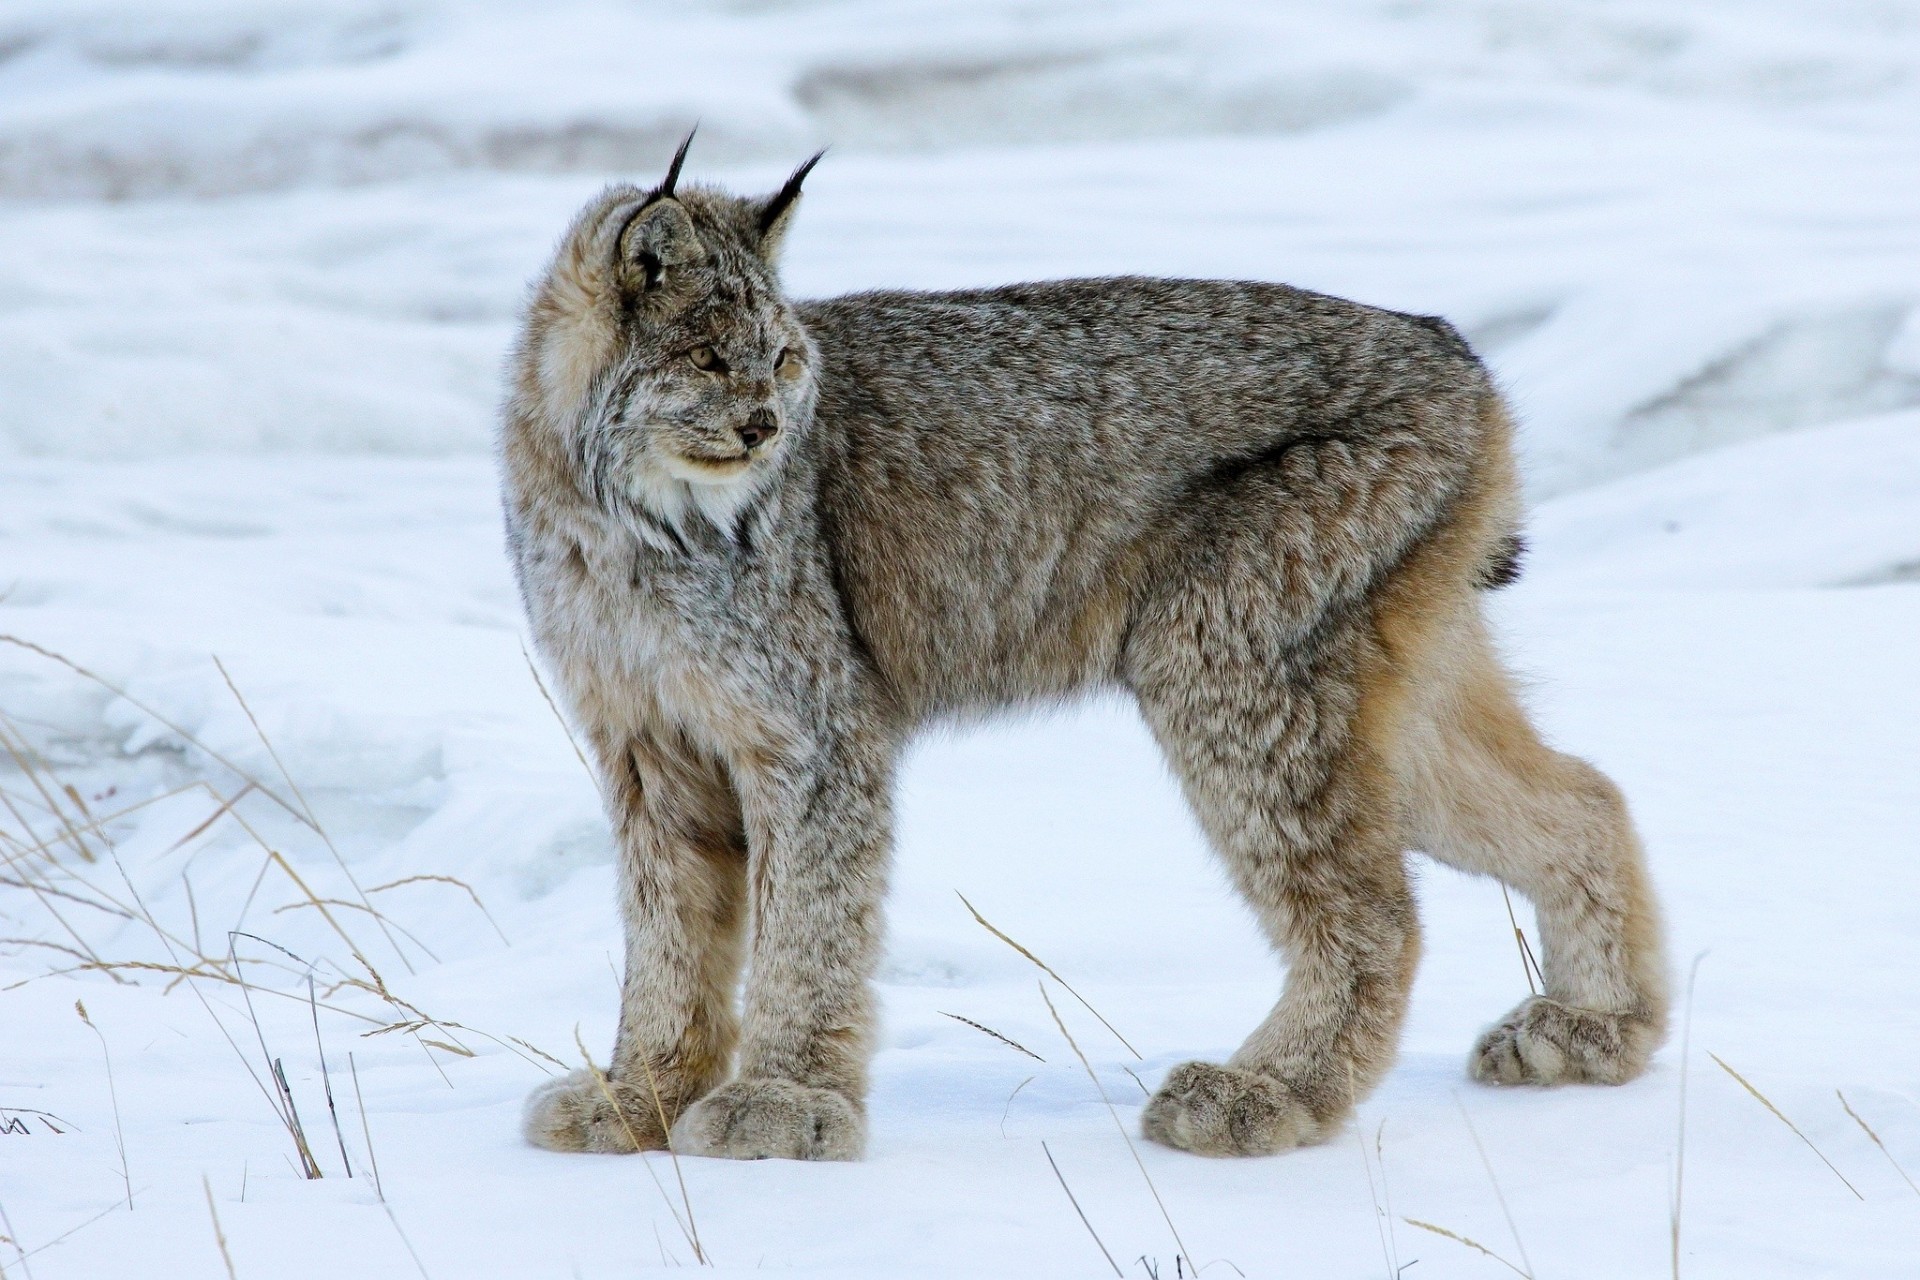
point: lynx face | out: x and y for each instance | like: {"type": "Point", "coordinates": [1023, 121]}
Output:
{"type": "Point", "coordinates": [661, 334]}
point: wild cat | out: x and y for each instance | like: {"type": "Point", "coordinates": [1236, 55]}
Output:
{"type": "Point", "coordinates": [761, 543]}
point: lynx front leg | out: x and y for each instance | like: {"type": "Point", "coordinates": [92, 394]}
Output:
{"type": "Point", "coordinates": [683, 893]}
{"type": "Point", "coordinates": [820, 835]}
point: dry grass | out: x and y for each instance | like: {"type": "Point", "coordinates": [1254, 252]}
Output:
{"type": "Point", "coordinates": [113, 1094]}
{"type": "Point", "coordinates": [688, 1230]}
{"type": "Point", "coordinates": [1468, 1241]}
{"type": "Point", "coordinates": [1868, 1130]}
{"type": "Point", "coordinates": [986, 1030]}
{"type": "Point", "coordinates": [1781, 1116]}
{"type": "Point", "coordinates": [1126, 1137]}
{"type": "Point", "coordinates": [1047, 969]}
{"type": "Point", "coordinates": [1075, 1202]}
{"type": "Point", "coordinates": [1499, 1196]}
{"type": "Point", "coordinates": [219, 1236]}
{"type": "Point", "coordinates": [60, 851]}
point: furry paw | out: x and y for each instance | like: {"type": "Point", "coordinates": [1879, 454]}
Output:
{"type": "Point", "coordinates": [1227, 1111]}
{"type": "Point", "coordinates": [576, 1113]}
{"type": "Point", "coordinates": [757, 1119]}
{"type": "Point", "coordinates": [1546, 1042]}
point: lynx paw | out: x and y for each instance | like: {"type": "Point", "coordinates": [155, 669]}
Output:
{"type": "Point", "coordinates": [1227, 1111]}
{"type": "Point", "coordinates": [1546, 1042]}
{"type": "Point", "coordinates": [757, 1119]}
{"type": "Point", "coordinates": [577, 1113]}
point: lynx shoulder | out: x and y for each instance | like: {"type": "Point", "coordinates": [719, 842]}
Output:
{"type": "Point", "coordinates": [762, 543]}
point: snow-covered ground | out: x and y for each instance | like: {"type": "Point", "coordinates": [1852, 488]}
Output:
{"type": "Point", "coordinates": [261, 258]}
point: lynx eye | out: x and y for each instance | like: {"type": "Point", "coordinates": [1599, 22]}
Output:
{"type": "Point", "coordinates": [790, 365]}
{"type": "Point", "coordinates": [707, 360]}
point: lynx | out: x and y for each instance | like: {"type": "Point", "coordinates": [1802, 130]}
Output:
{"type": "Point", "coordinates": [762, 542]}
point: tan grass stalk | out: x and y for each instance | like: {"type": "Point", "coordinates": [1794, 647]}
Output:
{"type": "Point", "coordinates": [1780, 1115]}
{"type": "Point", "coordinates": [554, 707]}
{"type": "Point", "coordinates": [1470, 1243]}
{"type": "Point", "coordinates": [666, 1135]}
{"type": "Point", "coordinates": [173, 728]}
{"type": "Point", "coordinates": [411, 1251]}
{"type": "Point", "coordinates": [1075, 1202]}
{"type": "Point", "coordinates": [1008, 1109]}
{"type": "Point", "coordinates": [1047, 969]}
{"type": "Point", "coordinates": [1868, 1130]}
{"type": "Point", "coordinates": [1680, 1137]}
{"type": "Point", "coordinates": [1124, 1135]}
{"type": "Point", "coordinates": [113, 1093]}
{"type": "Point", "coordinates": [1528, 965]}
{"type": "Point", "coordinates": [1498, 1195]}
{"type": "Point", "coordinates": [366, 1130]}
{"type": "Point", "coordinates": [313, 819]}
{"type": "Point", "coordinates": [219, 1236]}
{"type": "Point", "coordinates": [326, 1080]}
{"type": "Point", "coordinates": [452, 880]}
{"type": "Point", "coordinates": [986, 1030]}
{"type": "Point", "coordinates": [606, 1091]}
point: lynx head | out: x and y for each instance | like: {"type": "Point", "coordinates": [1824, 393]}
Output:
{"type": "Point", "coordinates": [660, 348]}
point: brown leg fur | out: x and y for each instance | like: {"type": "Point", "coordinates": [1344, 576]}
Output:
{"type": "Point", "coordinates": [1278, 750]}
{"type": "Point", "coordinates": [1489, 797]}
{"type": "Point", "coordinates": [683, 858]}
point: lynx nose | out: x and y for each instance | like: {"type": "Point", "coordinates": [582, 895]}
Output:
{"type": "Point", "coordinates": [758, 429]}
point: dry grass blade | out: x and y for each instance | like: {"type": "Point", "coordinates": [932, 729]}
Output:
{"type": "Point", "coordinates": [13, 1238]}
{"type": "Point", "coordinates": [554, 707]}
{"type": "Point", "coordinates": [452, 880]}
{"type": "Point", "coordinates": [1528, 965]}
{"type": "Point", "coordinates": [606, 1092]}
{"type": "Point", "coordinates": [1781, 1116]}
{"type": "Point", "coordinates": [411, 1251]}
{"type": "Point", "coordinates": [219, 1236]}
{"type": "Point", "coordinates": [1132, 1150]}
{"type": "Point", "coordinates": [326, 1079]}
{"type": "Point", "coordinates": [226, 807]}
{"type": "Point", "coordinates": [405, 932]}
{"type": "Point", "coordinates": [985, 1030]}
{"type": "Point", "coordinates": [666, 1132]}
{"type": "Point", "coordinates": [1381, 1220]}
{"type": "Point", "coordinates": [1047, 969]}
{"type": "Point", "coordinates": [1868, 1130]}
{"type": "Point", "coordinates": [1008, 1109]}
{"type": "Point", "coordinates": [312, 819]}
{"type": "Point", "coordinates": [1498, 1194]}
{"type": "Point", "coordinates": [1470, 1243]}
{"type": "Point", "coordinates": [1680, 1137]}
{"type": "Point", "coordinates": [366, 1130]}
{"type": "Point", "coordinates": [1075, 1202]}
{"type": "Point", "coordinates": [173, 728]}
{"type": "Point", "coordinates": [309, 1167]}
{"type": "Point", "coordinates": [16, 746]}
{"type": "Point", "coordinates": [113, 1093]}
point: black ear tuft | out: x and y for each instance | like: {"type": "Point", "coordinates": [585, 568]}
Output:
{"type": "Point", "coordinates": [665, 189]}
{"type": "Point", "coordinates": [782, 200]}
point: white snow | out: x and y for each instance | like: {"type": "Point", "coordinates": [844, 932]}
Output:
{"type": "Point", "coordinates": [261, 260]}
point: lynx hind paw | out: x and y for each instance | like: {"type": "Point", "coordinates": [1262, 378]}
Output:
{"type": "Point", "coordinates": [1227, 1111]}
{"type": "Point", "coordinates": [779, 1119]}
{"type": "Point", "coordinates": [578, 1112]}
{"type": "Point", "coordinates": [1544, 1042]}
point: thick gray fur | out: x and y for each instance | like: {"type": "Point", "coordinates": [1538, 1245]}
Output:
{"type": "Point", "coordinates": [763, 543]}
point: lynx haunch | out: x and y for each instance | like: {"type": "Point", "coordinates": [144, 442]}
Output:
{"type": "Point", "coordinates": [762, 542]}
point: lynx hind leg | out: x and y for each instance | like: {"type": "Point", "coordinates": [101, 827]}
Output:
{"type": "Point", "coordinates": [1275, 755]}
{"type": "Point", "coordinates": [1490, 797]}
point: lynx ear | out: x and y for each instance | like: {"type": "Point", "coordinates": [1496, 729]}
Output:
{"type": "Point", "coordinates": [776, 211]}
{"type": "Point", "coordinates": [658, 238]}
